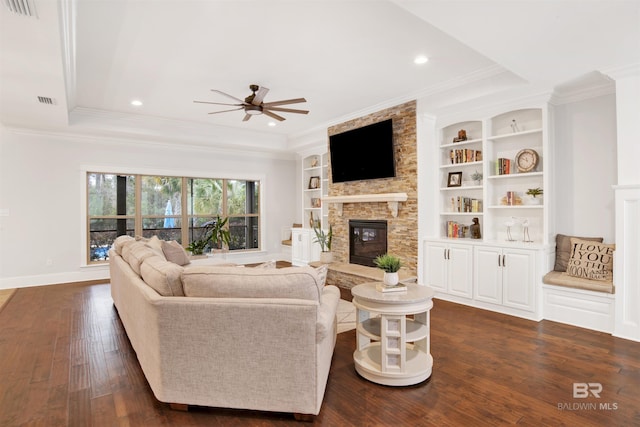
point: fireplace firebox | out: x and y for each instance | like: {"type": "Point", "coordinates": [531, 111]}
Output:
{"type": "Point", "coordinates": [367, 240]}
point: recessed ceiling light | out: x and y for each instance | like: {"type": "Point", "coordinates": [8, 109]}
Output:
{"type": "Point", "coordinates": [272, 124]}
{"type": "Point", "coordinates": [136, 103]}
{"type": "Point", "coordinates": [421, 59]}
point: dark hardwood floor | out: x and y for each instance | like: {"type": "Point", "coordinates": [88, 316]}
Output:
{"type": "Point", "coordinates": [65, 360]}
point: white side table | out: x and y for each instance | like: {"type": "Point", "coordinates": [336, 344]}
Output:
{"type": "Point", "coordinates": [392, 349]}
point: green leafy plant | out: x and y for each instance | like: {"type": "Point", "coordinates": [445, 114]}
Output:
{"type": "Point", "coordinates": [476, 176]}
{"type": "Point", "coordinates": [213, 233]}
{"type": "Point", "coordinates": [534, 191]}
{"type": "Point", "coordinates": [220, 236]}
{"type": "Point", "coordinates": [387, 262]}
{"type": "Point", "coordinates": [324, 239]}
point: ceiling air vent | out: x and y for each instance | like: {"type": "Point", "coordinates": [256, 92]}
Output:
{"type": "Point", "coordinates": [21, 7]}
{"type": "Point", "coordinates": [46, 100]}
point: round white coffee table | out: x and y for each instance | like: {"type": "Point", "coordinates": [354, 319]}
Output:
{"type": "Point", "coordinates": [391, 348]}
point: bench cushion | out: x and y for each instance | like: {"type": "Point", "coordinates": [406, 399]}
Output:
{"type": "Point", "coordinates": [563, 279]}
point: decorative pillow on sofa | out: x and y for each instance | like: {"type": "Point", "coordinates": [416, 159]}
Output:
{"type": "Point", "coordinates": [591, 260]}
{"type": "Point", "coordinates": [322, 274]}
{"type": "Point", "coordinates": [174, 252]}
{"type": "Point", "coordinates": [163, 276]}
{"type": "Point", "coordinates": [267, 264]}
{"type": "Point", "coordinates": [563, 250]}
{"type": "Point", "coordinates": [156, 244]}
{"type": "Point", "coordinates": [233, 282]}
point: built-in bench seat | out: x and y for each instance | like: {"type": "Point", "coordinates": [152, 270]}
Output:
{"type": "Point", "coordinates": [560, 278]}
{"type": "Point", "coordinates": [573, 300]}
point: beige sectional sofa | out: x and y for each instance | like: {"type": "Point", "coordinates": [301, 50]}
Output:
{"type": "Point", "coordinates": [224, 336]}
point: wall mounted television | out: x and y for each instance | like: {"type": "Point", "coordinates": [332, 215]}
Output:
{"type": "Point", "coordinates": [363, 153]}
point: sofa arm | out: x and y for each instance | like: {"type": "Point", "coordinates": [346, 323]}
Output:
{"type": "Point", "coordinates": [329, 301]}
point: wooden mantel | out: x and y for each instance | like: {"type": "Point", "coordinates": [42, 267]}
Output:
{"type": "Point", "coordinates": [392, 200]}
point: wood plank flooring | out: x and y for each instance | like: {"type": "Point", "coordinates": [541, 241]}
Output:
{"type": "Point", "coordinates": [66, 361]}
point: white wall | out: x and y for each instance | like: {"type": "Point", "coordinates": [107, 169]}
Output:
{"type": "Point", "coordinates": [41, 191]}
{"type": "Point", "coordinates": [586, 167]}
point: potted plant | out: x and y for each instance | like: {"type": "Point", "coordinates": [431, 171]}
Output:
{"type": "Point", "coordinates": [220, 236]}
{"type": "Point", "coordinates": [390, 264]}
{"type": "Point", "coordinates": [477, 177]}
{"type": "Point", "coordinates": [324, 239]}
{"type": "Point", "coordinates": [534, 192]}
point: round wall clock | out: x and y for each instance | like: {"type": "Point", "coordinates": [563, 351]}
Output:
{"type": "Point", "coordinates": [526, 160]}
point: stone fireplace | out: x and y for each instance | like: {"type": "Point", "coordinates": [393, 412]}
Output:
{"type": "Point", "coordinates": [378, 200]}
{"type": "Point", "coordinates": [367, 240]}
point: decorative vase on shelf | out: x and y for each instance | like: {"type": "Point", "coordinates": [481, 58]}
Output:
{"type": "Point", "coordinates": [390, 279]}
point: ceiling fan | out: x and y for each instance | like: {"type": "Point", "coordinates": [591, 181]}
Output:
{"type": "Point", "coordinates": [253, 105]}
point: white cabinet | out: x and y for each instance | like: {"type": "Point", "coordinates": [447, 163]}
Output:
{"type": "Point", "coordinates": [303, 247]}
{"type": "Point", "coordinates": [448, 268]}
{"type": "Point", "coordinates": [505, 276]}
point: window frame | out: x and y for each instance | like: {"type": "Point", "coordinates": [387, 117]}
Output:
{"type": "Point", "coordinates": [86, 219]}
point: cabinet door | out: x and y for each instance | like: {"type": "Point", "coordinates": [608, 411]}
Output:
{"type": "Point", "coordinates": [459, 270]}
{"type": "Point", "coordinates": [436, 266]}
{"type": "Point", "coordinates": [299, 247]}
{"type": "Point", "coordinates": [518, 270]}
{"type": "Point", "coordinates": [488, 274]}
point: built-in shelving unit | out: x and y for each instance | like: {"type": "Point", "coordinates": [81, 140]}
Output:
{"type": "Point", "coordinates": [503, 269]}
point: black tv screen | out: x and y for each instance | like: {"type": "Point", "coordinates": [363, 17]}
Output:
{"type": "Point", "coordinates": [363, 153]}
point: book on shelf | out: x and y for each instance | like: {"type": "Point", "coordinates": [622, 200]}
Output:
{"type": "Point", "coordinates": [465, 204]}
{"type": "Point", "coordinates": [503, 166]}
{"type": "Point", "coordinates": [456, 230]}
{"type": "Point", "coordinates": [465, 155]}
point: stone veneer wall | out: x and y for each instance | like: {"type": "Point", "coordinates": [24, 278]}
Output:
{"type": "Point", "coordinates": [402, 231]}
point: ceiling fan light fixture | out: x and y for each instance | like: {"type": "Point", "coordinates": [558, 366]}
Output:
{"type": "Point", "coordinates": [253, 110]}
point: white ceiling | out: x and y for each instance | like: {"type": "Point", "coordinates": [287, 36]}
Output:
{"type": "Point", "coordinates": [345, 57]}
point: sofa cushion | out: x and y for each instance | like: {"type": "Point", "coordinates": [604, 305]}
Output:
{"type": "Point", "coordinates": [174, 252]}
{"type": "Point", "coordinates": [563, 279]}
{"type": "Point", "coordinates": [120, 242]}
{"type": "Point", "coordinates": [136, 252]}
{"type": "Point", "coordinates": [162, 275]}
{"type": "Point", "coordinates": [591, 260]}
{"type": "Point", "coordinates": [563, 250]}
{"type": "Point", "coordinates": [233, 282]}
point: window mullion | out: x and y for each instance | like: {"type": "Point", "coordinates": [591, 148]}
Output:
{"type": "Point", "coordinates": [137, 225]}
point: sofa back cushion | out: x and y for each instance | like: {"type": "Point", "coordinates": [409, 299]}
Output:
{"type": "Point", "coordinates": [121, 241]}
{"type": "Point", "coordinates": [162, 275]}
{"type": "Point", "coordinates": [234, 282]}
{"type": "Point", "coordinates": [136, 252]}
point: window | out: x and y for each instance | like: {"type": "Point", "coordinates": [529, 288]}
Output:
{"type": "Point", "coordinates": [172, 208]}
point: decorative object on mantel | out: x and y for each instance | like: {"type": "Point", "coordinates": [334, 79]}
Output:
{"type": "Point", "coordinates": [462, 136]}
{"type": "Point", "coordinates": [390, 264]}
{"type": "Point", "coordinates": [324, 239]}
{"type": "Point", "coordinates": [475, 229]}
{"type": "Point", "coordinates": [392, 199]}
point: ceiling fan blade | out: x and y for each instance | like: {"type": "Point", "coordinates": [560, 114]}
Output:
{"type": "Point", "coordinates": [246, 117]}
{"type": "Point", "coordinates": [225, 111]}
{"type": "Point", "coordinates": [284, 102]}
{"type": "Point", "coordinates": [285, 110]}
{"type": "Point", "coordinates": [228, 96]}
{"type": "Point", "coordinates": [217, 103]}
{"type": "Point", "coordinates": [273, 115]}
{"type": "Point", "coordinates": [260, 94]}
